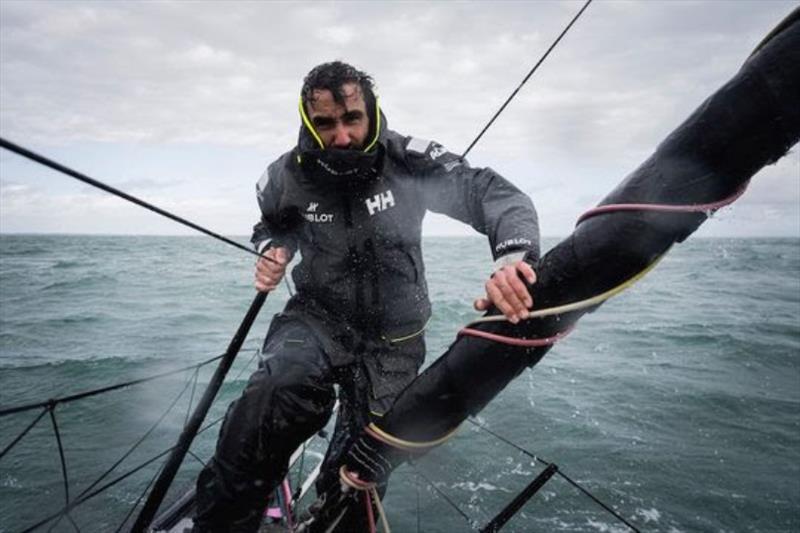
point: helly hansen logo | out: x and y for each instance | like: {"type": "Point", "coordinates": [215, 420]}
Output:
{"type": "Point", "coordinates": [380, 202]}
{"type": "Point", "coordinates": [312, 207]}
{"type": "Point", "coordinates": [436, 150]}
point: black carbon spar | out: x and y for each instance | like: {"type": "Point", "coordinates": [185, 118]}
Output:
{"type": "Point", "coordinates": [750, 122]}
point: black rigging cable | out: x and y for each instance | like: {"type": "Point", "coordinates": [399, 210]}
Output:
{"type": "Point", "coordinates": [136, 503]}
{"type": "Point", "coordinates": [99, 490]}
{"type": "Point", "coordinates": [446, 498]}
{"type": "Point", "coordinates": [51, 411]}
{"type": "Point", "coordinates": [164, 480]}
{"type": "Point", "coordinates": [24, 152]}
{"type": "Point", "coordinates": [191, 396]}
{"type": "Point", "coordinates": [101, 390]}
{"type": "Point", "coordinates": [23, 433]}
{"type": "Point", "coordinates": [122, 477]}
{"type": "Point", "coordinates": [558, 473]}
{"type": "Point", "coordinates": [71, 504]}
{"type": "Point", "coordinates": [137, 443]}
{"type": "Point", "coordinates": [525, 80]}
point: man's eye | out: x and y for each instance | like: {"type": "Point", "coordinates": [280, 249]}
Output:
{"type": "Point", "coordinates": [352, 120]}
{"type": "Point", "coordinates": [323, 123]}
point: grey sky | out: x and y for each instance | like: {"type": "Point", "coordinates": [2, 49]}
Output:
{"type": "Point", "coordinates": [184, 103]}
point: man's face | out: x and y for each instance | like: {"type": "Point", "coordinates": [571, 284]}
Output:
{"type": "Point", "coordinates": [340, 126]}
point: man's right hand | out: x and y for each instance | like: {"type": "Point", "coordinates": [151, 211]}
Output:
{"type": "Point", "coordinates": [270, 273]}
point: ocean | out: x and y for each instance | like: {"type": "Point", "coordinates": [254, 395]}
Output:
{"type": "Point", "coordinates": [677, 403]}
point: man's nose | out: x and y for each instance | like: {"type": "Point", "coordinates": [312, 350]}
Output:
{"type": "Point", "coordinates": [341, 137]}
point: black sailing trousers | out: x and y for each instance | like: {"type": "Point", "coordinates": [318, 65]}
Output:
{"type": "Point", "coordinates": [286, 401]}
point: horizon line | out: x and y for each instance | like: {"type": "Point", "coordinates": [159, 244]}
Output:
{"type": "Point", "coordinates": [246, 237]}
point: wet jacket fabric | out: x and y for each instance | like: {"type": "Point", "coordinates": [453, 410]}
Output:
{"type": "Point", "coordinates": [361, 279]}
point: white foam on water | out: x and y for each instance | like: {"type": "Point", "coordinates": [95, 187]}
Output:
{"type": "Point", "coordinates": [649, 515]}
{"type": "Point", "coordinates": [474, 487]}
{"type": "Point", "coordinates": [602, 527]}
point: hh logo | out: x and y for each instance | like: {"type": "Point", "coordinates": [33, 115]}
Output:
{"type": "Point", "coordinates": [379, 202]}
{"type": "Point", "coordinates": [437, 150]}
{"type": "Point", "coordinates": [312, 207]}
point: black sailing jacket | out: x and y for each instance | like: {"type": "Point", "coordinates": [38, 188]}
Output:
{"type": "Point", "coordinates": [361, 277]}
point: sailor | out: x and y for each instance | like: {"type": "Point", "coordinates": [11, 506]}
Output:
{"type": "Point", "coordinates": [350, 198]}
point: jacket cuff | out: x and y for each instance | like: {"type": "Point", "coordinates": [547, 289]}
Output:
{"type": "Point", "coordinates": [508, 259]}
{"type": "Point", "coordinates": [263, 246]}
{"type": "Point", "coordinates": [509, 246]}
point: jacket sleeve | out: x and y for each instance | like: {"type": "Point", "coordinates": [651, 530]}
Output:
{"type": "Point", "coordinates": [275, 226]}
{"type": "Point", "coordinates": [479, 197]}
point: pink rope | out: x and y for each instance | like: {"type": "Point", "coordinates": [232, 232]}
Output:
{"type": "Point", "coordinates": [664, 208]}
{"type": "Point", "coordinates": [513, 341]}
{"type": "Point", "coordinates": [352, 480]}
{"type": "Point", "coordinates": [287, 499]}
{"type": "Point", "coordinates": [609, 208]}
{"type": "Point", "coordinates": [370, 514]}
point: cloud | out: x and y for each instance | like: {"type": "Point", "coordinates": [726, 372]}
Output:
{"type": "Point", "coordinates": [228, 74]}
{"type": "Point", "coordinates": [90, 212]}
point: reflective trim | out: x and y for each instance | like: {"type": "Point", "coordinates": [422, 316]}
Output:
{"type": "Point", "coordinates": [581, 304]}
{"type": "Point", "coordinates": [417, 145]}
{"type": "Point", "coordinates": [410, 335]}
{"type": "Point", "coordinates": [317, 138]}
{"type": "Point", "coordinates": [391, 440]}
{"type": "Point", "coordinates": [308, 124]}
{"type": "Point", "coordinates": [377, 125]}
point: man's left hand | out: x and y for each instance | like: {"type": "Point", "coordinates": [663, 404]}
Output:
{"type": "Point", "coordinates": [506, 290]}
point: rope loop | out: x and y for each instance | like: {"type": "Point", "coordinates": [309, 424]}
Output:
{"type": "Point", "coordinates": [351, 480]}
{"type": "Point", "coordinates": [406, 445]}
{"type": "Point", "coordinates": [514, 341]}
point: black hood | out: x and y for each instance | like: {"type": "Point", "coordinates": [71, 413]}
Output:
{"type": "Point", "coordinates": [348, 168]}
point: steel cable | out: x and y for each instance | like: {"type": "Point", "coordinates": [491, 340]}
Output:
{"type": "Point", "coordinates": [445, 497]}
{"type": "Point", "coordinates": [525, 80]}
{"type": "Point", "coordinates": [559, 473]}
{"type": "Point", "coordinates": [42, 160]}
{"type": "Point", "coordinates": [101, 390]}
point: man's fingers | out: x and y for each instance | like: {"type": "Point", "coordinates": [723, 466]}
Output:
{"type": "Point", "coordinates": [272, 266]}
{"type": "Point", "coordinates": [499, 300]}
{"type": "Point", "coordinates": [513, 290]}
{"type": "Point", "coordinates": [527, 271]}
{"type": "Point", "coordinates": [264, 287]}
{"type": "Point", "coordinates": [268, 277]}
{"type": "Point", "coordinates": [508, 292]}
{"type": "Point", "coordinates": [270, 269]}
{"type": "Point", "coordinates": [278, 255]}
{"type": "Point", "coordinates": [521, 293]}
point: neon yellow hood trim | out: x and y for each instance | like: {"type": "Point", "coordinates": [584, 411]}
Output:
{"type": "Point", "coordinates": [310, 127]}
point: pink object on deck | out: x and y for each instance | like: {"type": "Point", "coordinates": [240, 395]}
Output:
{"type": "Point", "coordinates": [274, 512]}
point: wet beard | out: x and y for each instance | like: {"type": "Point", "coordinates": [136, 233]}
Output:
{"type": "Point", "coordinates": [342, 168]}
